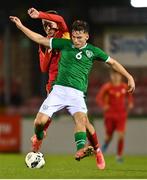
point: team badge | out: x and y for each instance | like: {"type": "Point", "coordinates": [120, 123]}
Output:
{"type": "Point", "coordinates": [89, 53]}
{"type": "Point", "coordinates": [45, 107]}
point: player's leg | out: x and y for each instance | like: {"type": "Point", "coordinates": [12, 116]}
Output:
{"type": "Point", "coordinates": [48, 90]}
{"type": "Point", "coordinates": [120, 146]}
{"type": "Point", "coordinates": [92, 136]}
{"type": "Point", "coordinates": [46, 125]}
{"type": "Point", "coordinates": [39, 124]}
{"type": "Point", "coordinates": [80, 136]}
{"type": "Point", "coordinates": [120, 129]}
{"type": "Point", "coordinates": [93, 139]}
{"type": "Point", "coordinates": [78, 109]}
{"type": "Point", "coordinates": [107, 140]}
{"type": "Point", "coordinates": [109, 130]}
{"type": "Point", "coordinates": [52, 103]}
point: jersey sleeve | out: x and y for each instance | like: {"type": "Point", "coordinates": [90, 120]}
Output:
{"type": "Point", "coordinates": [59, 43]}
{"type": "Point", "coordinates": [56, 18]}
{"type": "Point", "coordinates": [99, 53]}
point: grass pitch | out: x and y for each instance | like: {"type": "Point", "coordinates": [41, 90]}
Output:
{"type": "Point", "coordinates": [65, 167]}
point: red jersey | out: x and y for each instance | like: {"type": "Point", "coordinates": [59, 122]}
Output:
{"type": "Point", "coordinates": [116, 98]}
{"type": "Point", "coordinates": [49, 59]}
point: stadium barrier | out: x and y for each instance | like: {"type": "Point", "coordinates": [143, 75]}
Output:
{"type": "Point", "coordinates": [60, 136]}
{"type": "Point", "coordinates": [10, 133]}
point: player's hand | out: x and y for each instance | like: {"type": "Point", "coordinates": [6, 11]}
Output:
{"type": "Point", "coordinates": [16, 20]}
{"type": "Point", "coordinates": [131, 85]}
{"type": "Point", "coordinates": [33, 13]}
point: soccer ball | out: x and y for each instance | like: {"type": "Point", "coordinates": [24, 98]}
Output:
{"type": "Point", "coordinates": [34, 160]}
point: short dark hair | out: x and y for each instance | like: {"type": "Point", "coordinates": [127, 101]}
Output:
{"type": "Point", "coordinates": [52, 12]}
{"type": "Point", "coordinates": [80, 25]}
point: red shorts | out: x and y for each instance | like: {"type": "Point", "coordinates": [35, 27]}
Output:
{"type": "Point", "coordinates": [115, 123]}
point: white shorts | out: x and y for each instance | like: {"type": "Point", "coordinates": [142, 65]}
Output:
{"type": "Point", "coordinates": [63, 97]}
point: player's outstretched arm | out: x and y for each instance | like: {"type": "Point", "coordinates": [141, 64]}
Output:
{"type": "Point", "coordinates": [30, 34]}
{"type": "Point", "coordinates": [118, 67]}
{"type": "Point", "coordinates": [34, 13]}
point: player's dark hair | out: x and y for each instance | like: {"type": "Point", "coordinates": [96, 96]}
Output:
{"type": "Point", "coordinates": [80, 25]}
{"type": "Point", "coordinates": [52, 12]}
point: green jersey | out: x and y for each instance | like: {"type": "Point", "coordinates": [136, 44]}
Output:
{"type": "Point", "coordinates": [75, 64]}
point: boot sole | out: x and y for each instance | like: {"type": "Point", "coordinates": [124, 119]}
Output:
{"type": "Point", "coordinates": [88, 152]}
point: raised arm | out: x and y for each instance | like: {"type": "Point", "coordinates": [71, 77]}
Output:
{"type": "Point", "coordinates": [119, 68]}
{"type": "Point", "coordinates": [34, 13]}
{"type": "Point", "coordinates": [38, 38]}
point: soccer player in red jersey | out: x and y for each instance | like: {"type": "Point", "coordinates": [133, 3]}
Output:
{"type": "Point", "coordinates": [55, 26]}
{"type": "Point", "coordinates": [115, 102]}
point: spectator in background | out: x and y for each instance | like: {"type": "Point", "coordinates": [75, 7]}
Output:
{"type": "Point", "coordinates": [115, 102]}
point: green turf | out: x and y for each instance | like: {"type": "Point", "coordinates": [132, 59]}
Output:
{"type": "Point", "coordinates": [65, 167]}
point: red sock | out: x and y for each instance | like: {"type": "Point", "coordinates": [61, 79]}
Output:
{"type": "Point", "coordinates": [47, 124]}
{"type": "Point", "coordinates": [93, 140]}
{"type": "Point", "coordinates": [120, 147]}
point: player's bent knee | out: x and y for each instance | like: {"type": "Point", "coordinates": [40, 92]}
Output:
{"type": "Point", "coordinates": [121, 135]}
{"type": "Point", "coordinates": [41, 119]}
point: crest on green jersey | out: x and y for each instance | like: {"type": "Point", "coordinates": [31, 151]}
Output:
{"type": "Point", "coordinates": [89, 53]}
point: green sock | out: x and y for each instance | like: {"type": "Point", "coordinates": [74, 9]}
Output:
{"type": "Point", "coordinates": [39, 132]}
{"type": "Point", "coordinates": [80, 139]}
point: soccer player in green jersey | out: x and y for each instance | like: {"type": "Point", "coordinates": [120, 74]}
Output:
{"type": "Point", "coordinates": [56, 27]}
{"type": "Point", "coordinates": [77, 57]}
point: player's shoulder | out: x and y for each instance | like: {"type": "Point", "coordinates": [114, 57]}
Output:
{"type": "Point", "coordinates": [97, 51]}
{"type": "Point", "coordinates": [93, 47]}
{"type": "Point", "coordinates": [61, 43]}
{"type": "Point", "coordinates": [62, 40]}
